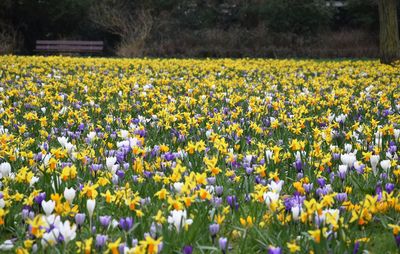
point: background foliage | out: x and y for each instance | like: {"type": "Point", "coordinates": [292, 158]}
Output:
{"type": "Point", "coordinates": [196, 28]}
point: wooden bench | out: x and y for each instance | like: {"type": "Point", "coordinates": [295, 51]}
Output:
{"type": "Point", "coordinates": [63, 46]}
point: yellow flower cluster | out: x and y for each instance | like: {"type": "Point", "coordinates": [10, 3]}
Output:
{"type": "Point", "coordinates": [168, 155]}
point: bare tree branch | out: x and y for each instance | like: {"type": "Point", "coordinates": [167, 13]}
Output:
{"type": "Point", "coordinates": [118, 18]}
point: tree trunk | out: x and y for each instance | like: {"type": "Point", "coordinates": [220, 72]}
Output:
{"type": "Point", "coordinates": [389, 32]}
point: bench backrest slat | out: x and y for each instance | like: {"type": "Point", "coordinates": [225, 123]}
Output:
{"type": "Point", "coordinates": [64, 46]}
{"type": "Point", "coordinates": [63, 42]}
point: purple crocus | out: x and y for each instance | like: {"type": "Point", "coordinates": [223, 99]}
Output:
{"type": "Point", "coordinates": [219, 190]}
{"type": "Point", "coordinates": [38, 157]}
{"type": "Point", "coordinates": [169, 156]}
{"type": "Point", "coordinates": [113, 135]}
{"type": "Point", "coordinates": [80, 218]}
{"type": "Point", "coordinates": [155, 151]}
{"type": "Point", "coordinates": [293, 201]}
{"type": "Point", "coordinates": [81, 127]}
{"type": "Point", "coordinates": [360, 169]}
{"type": "Point", "coordinates": [397, 238]}
{"type": "Point", "coordinates": [216, 201]}
{"type": "Point", "coordinates": [120, 156]}
{"type": "Point", "coordinates": [298, 165]}
{"type": "Point", "coordinates": [105, 220]}
{"type": "Point", "coordinates": [336, 156]}
{"type": "Point", "coordinates": [120, 174]}
{"type": "Point", "coordinates": [356, 247]}
{"type": "Point", "coordinates": [147, 174]}
{"type": "Point", "coordinates": [308, 187]}
{"type": "Point", "coordinates": [40, 197]}
{"type": "Point", "coordinates": [95, 167]}
{"type": "Point", "coordinates": [274, 250]}
{"type": "Point", "coordinates": [101, 240]}
{"type": "Point", "coordinates": [383, 176]}
{"type": "Point", "coordinates": [341, 197]}
{"type": "Point", "coordinates": [323, 191]}
{"type": "Point", "coordinates": [249, 170]}
{"type": "Point", "coordinates": [214, 229]}
{"type": "Point", "coordinates": [126, 223]}
{"type": "Point", "coordinates": [389, 187]}
{"type": "Point", "coordinates": [211, 180]}
{"type": "Point", "coordinates": [378, 189]}
{"type": "Point", "coordinates": [25, 213]}
{"type": "Point", "coordinates": [321, 182]}
{"type": "Point", "coordinates": [232, 202]}
{"type": "Point", "coordinates": [187, 249]}
{"type": "Point", "coordinates": [392, 149]}
{"type": "Point", "coordinates": [223, 244]}
{"type": "Point", "coordinates": [121, 248]}
{"type": "Point", "coordinates": [300, 175]}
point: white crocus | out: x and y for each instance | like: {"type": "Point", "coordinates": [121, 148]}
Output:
{"type": "Point", "coordinates": [46, 159]}
{"type": "Point", "coordinates": [5, 169]}
{"type": "Point", "coordinates": [348, 159]}
{"type": "Point", "coordinates": [396, 134]}
{"type": "Point", "coordinates": [178, 219]}
{"type": "Point", "coordinates": [348, 147]}
{"type": "Point", "coordinates": [69, 194]}
{"type": "Point", "coordinates": [67, 231]}
{"type": "Point", "coordinates": [124, 134]}
{"type": "Point", "coordinates": [91, 135]}
{"type": "Point", "coordinates": [343, 169]}
{"type": "Point", "coordinates": [210, 189]}
{"type": "Point", "coordinates": [296, 211]}
{"type": "Point", "coordinates": [6, 245]}
{"type": "Point", "coordinates": [270, 197]}
{"type": "Point", "coordinates": [341, 118]}
{"type": "Point", "coordinates": [70, 147]}
{"type": "Point", "coordinates": [114, 223]}
{"type": "Point", "coordinates": [378, 139]}
{"type": "Point", "coordinates": [33, 180]}
{"type": "Point", "coordinates": [2, 203]}
{"type": "Point", "coordinates": [48, 206]}
{"type": "Point", "coordinates": [52, 220]}
{"type": "Point", "coordinates": [56, 181]}
{"type": "Point", "coordinates": [182, 154]}
{"type": "Point", "coordinates": [63, 110]}
{"type": "Point", "coordinates": [391, 156]}
{"type": "Point", "coordinates": [50, 238]}
{"type": "Point", "coordinates": [385, 164]}
{"type": "Point", "coordinates": [178, 187]}
{"type": "Point", "coordinates": [276, 186]}
{"type": "Point", "coordinates": [298, 155]}
{"type": "Point", "coordinates": [110, 162]}
{"type": "Point", "coordinates": [248, 158]}
{"type": "Point", "coordinates": [124, 143]}
{"type": "Point", "coordinates": [63, 141]}
{"type": "Point", "coordinates": [268, 155]}
{"type": "Point", "coordinates": [2, 129]}
{"type": "Point", "coordinates": [374, 160]}
{"type": "Point", "coordinates": [331, 117]}
{"type": "Point", "coordinates": [90, 205]}
{"type": "Point", "coordinates": [134, 142]}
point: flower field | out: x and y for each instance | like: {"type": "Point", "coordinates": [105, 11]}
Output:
{"type": "Point", "coordinates": [198, 156]}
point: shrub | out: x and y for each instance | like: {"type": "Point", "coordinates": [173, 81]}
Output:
{"type": "Point", "coordinates": [296, 16]}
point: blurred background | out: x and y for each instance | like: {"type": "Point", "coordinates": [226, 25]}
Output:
{"type": "Point", "coordinates": [197, 28]}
